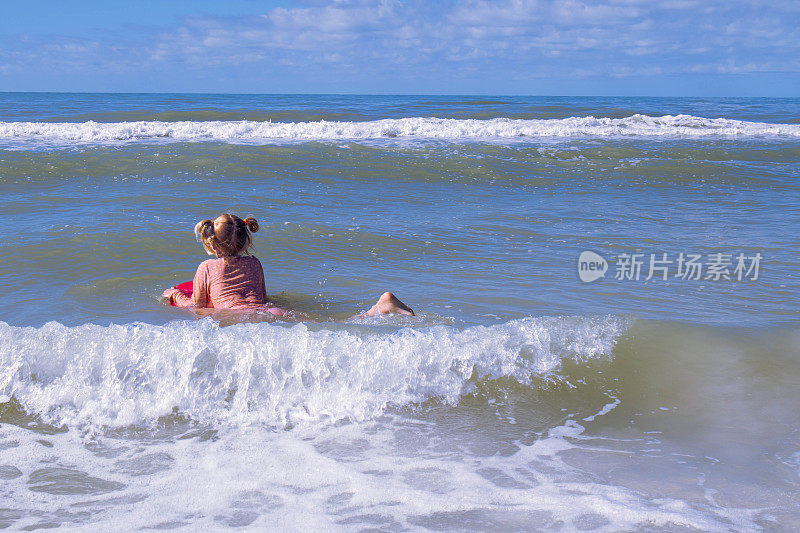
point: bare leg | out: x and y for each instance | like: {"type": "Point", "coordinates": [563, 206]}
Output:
{"type": "Point", "coordinates": [389, 303]}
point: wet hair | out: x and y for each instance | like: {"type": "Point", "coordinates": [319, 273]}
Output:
{"type": "Point", "coordinates": [226, 235]}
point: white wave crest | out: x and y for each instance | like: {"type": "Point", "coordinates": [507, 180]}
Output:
{"type": "Point", "coordinates": [270, 374]}
{"type": "Point", "coordinates": [680, 126]}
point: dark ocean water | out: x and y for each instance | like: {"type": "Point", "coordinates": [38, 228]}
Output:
{"type": "Point", "coordinates": [520, 397]}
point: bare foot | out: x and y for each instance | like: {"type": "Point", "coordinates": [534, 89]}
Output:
{"type": "Point", "coordinates": [389, 303]}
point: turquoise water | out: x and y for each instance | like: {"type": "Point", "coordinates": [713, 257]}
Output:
{"type": "Point", "coordinates": [520, 397]}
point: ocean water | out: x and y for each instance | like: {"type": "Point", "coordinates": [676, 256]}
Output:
{"type": "Point", "coordinates": [525, 395]}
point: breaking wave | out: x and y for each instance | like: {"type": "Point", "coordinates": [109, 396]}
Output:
{"type": "Point", "coordinates": [262, 373]}
{"type": "Point", "coordinates": [245, 131]}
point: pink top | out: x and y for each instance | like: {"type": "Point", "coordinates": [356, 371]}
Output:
{"type": "Point", "coordinates": [235, 282]}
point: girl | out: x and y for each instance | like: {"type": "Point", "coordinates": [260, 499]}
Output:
{"type": "Point", "coordinates": [236, 281]}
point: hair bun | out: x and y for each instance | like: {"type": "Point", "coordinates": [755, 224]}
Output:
{"type": "Point", "coordinates": [252, 224]}
{"type": "Point", "coordinates": [201, 226]}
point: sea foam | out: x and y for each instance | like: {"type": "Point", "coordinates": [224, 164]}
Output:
{"type": "Point", "coordinates": [422, 128]}
{"type": "Point", "coordinates": [270, 374]}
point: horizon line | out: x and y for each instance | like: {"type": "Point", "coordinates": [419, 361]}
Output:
{"type": "Point", "coordinates": [458, 95]}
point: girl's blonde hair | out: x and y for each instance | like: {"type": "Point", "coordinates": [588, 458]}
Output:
{"type": "Point", "coordinates": [226, 235]}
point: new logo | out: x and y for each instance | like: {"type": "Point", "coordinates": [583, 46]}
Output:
{"type": "Point", "coordinates": [591, 266]}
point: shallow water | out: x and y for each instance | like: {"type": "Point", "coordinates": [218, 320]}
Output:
{"type": "Point", "coordinates": [519, 398]}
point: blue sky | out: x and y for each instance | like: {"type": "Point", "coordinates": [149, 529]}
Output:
{"type": "Point", "coordinates": [523, 47]}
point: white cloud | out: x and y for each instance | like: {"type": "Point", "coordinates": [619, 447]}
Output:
{"type": "Point", "coordinates": [535, 37]}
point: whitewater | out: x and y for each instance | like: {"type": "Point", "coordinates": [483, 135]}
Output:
{"type": "Point", "coordinates": [678, 126]}
{"type": "Point", "coordinates": [269, 374]}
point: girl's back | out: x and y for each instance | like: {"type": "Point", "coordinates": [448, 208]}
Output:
{"type": "Point", "coordinates": [233, 282]}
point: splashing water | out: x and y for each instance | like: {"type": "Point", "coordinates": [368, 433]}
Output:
{"type": "Point", "coordinates": [263, 373]}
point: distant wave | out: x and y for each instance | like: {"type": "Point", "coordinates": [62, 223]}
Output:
{"type": "Point", "coordinates": [679, 126]}
{"type": "Point", "coordinates": [269, 374]}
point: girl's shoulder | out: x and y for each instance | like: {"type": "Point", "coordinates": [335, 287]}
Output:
{"type": "Point", "coordinates": [251, 260]}
{"type": "Point", "coordinates": [210, 265]}
{"type": "Point", "coordinates": [221, 262]}
{"type": "Point", "coordinates": [210, 262]}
